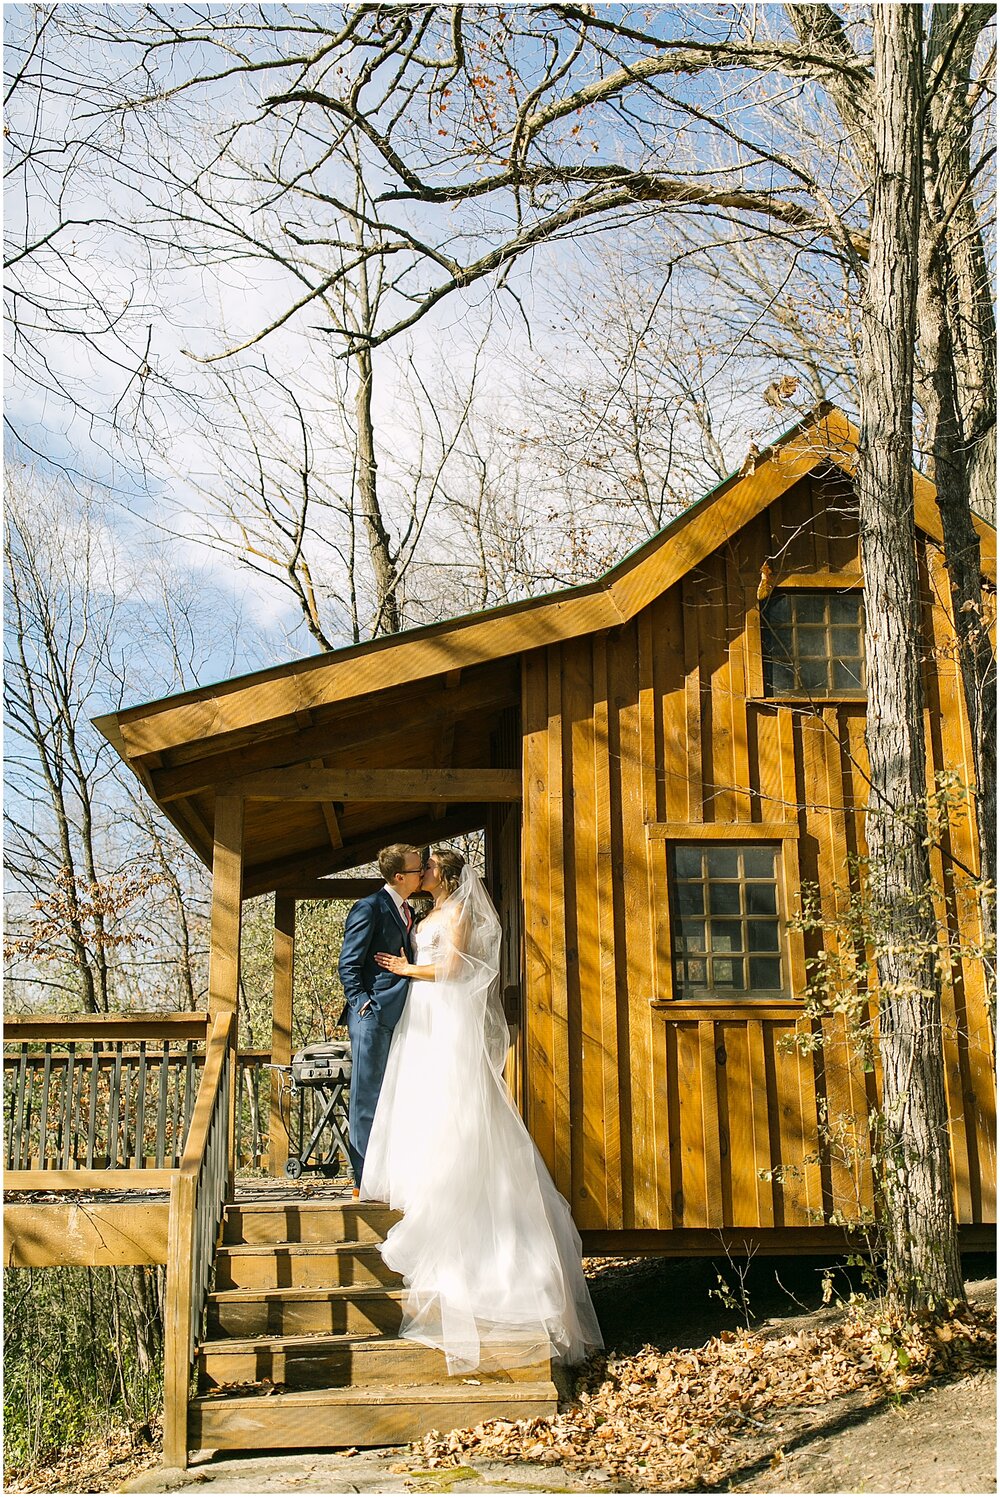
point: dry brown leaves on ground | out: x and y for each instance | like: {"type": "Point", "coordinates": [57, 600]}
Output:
{"type": "Point", "coordinates": [665, 1421]}
{"type": "Point", "coordinates": [98, 1466]}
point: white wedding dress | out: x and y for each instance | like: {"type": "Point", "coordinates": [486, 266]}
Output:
{"type": "Point", "coordinates": [487, 1249]}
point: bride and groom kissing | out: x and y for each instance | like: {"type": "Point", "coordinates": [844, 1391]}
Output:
{"type": "Point", "coordinates": [486, 1246]}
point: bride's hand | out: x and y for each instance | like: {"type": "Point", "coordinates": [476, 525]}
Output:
{"type": "Point", "coordinates": [397, 964]}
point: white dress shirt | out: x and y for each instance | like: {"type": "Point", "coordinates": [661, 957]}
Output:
{"type": "Point", "coordinates": [400, 903]}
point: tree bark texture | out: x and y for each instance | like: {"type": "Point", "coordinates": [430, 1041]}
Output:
{"type": "Point", "coordinates": [952, 475]}
{"type": "Point", "coordinates": [914, 1166]}
{"type": "Point", "coordinates": [957, 342]}
{"type": "Point", "coordinates": [954, 33]}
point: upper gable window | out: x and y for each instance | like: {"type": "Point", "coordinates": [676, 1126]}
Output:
{"type": "Point", "coordinates": [814, 643]}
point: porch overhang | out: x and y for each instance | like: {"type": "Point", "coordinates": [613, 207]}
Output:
{"type": "Point", "coordinates": [323, 789]}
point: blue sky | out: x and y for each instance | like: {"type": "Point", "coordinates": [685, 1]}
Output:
{"type": "Point", "coordinates": [151, 442]}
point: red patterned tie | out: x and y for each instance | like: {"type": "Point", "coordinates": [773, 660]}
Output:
{"type": "Point", "coordinates": [409, 917]}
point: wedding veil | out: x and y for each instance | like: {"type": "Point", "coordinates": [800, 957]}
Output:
{"type": "Point", "coordinates": [469, 955]}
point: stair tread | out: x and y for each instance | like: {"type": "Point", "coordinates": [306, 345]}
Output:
{"type": "Point", "coordinates": [345, 1203]}
{"type": "Point", "coordinates": [303, 1249]}
{"type": "Point", "coordinates": [318, 1340]}
{"type": "Point", "coordinates": [345, 1340]}
{"type": "Point", "coordinates": [335, 1291]}
{"type": "Point", "coordinates": [382, 1393]}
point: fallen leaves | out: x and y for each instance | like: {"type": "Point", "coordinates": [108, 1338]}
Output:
{"type": "Point", "coordinates": [664, 1421]}
{"type": "Point", "coordinates": [97, 1466]}
{"type": "Point", "coordinates": [262, 1387]}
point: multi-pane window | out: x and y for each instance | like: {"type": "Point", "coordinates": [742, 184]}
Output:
{"type": "Point", "coordinates": [814, 643]}
{"type": "Point", "coordinates": [724, 920]}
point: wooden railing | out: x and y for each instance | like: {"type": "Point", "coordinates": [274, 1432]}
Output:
{"type": "Point", "coordinates": [140, 1102]}
{"type": "Point", "coordinates": [197, 1202]}
{"type": "Point", "coordinates": [105, 1103]}
{"type": "Point", "coordinates": [99, 1102]}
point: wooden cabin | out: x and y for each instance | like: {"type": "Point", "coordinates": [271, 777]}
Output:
{"type": "Point", "coordinates": [659, 761]}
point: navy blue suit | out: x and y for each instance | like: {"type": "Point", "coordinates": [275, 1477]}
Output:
{"type": "Point", "coordinates": [375, 1000]}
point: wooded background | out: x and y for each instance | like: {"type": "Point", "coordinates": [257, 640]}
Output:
{"type": "Point", "coordinates": [324, 322]}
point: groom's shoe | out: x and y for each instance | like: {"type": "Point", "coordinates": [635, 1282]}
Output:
{"type": "Point", "coordinates": [355, 1194]}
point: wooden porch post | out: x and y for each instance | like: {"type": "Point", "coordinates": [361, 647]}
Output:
{"type": "Point", "coordinates": [281, 1024]}
{"type": "Point", "coordinates": [224, 956]}
{"type": "Point", "coordinates": [223, 993]}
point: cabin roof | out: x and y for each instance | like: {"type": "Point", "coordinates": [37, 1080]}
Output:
{"type": "Point", "coordinates": [435, 694]}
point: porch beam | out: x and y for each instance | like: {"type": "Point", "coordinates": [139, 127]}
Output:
{"type": "Point", "coordinates": [329, 814]}
{"type": "Point", "coordinates": [425, 786]}
{"type": "Point", "coordinates": [290, 871]}
{"type": "Point", "coordinates": [331, 888]}
{"type": "Point", "coordinates": [223, 970]}
{"type": "Point", "coordinates": [446, 734]}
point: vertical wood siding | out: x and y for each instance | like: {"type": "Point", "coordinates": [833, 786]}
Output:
{"type": "Point", "coordinates": [688, 1115]}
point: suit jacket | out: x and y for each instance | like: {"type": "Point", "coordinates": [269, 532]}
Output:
{"type": "Point", "coordinates": [374, 924]}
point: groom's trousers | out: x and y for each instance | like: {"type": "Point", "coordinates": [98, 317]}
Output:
{"type": "Point", "coordinates": [370, 1041]}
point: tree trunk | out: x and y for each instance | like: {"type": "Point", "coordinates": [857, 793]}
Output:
{"type": "Point", "coordinates": [379, 547]}
{"type": "Point", "coordinates": [952, 478]}
{"type": "Point", "coordinates": [957, 338]}
{"type": "Point", "coordinates": [383, 566]}
{"type": "Point", "coordinates": [914, 1168]}
{"type": "Point", "coordinates": [954, 34]}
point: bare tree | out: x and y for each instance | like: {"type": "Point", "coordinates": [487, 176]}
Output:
{"type": "Point", "coordinates": [923, 1260]}
{"type": "Point", "coordinates": [107, 905]}
{"type": "Point", "coordinates": [958, 347]}
{"type": "Point", "coordinates": [61, 606]}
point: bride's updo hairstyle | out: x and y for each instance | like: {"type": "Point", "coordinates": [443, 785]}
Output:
{"type": "Point", "coordinates": [450, 864]}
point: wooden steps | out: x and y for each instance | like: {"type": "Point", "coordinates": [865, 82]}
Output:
{"type": "Point", "coordinates": [385, 1415]}
{"type": "Point", "coordinates": [316, 1311]}
{"type": "Point", "coordinates": [303, 1348]}
{"type": "Point", "coordinates": [296, 1265]}
{"type": "Point", "coordinates": [333, 1361]}
{"type": "Point", "coordinates": [337, 1221]}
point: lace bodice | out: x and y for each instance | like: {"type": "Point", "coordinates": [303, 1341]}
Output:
{"type": "Point", "coordinates": [426, 941]}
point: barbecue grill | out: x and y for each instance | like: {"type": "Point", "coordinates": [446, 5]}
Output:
{"type": "Point", "coordinates": [326, 1069]}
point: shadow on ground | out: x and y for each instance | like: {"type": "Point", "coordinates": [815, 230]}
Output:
{"type": "Point", "coordinates": [674, 1303]}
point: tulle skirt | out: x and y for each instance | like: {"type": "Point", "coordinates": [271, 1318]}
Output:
{"type": "Point", "coordinates": [487, 1249]}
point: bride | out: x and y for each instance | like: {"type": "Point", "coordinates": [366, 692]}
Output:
{"type": "Point", "coordinates": [487, 1249]}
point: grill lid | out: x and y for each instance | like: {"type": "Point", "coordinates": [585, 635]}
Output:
{"type": "Point", "coordinates": [328, 1060]}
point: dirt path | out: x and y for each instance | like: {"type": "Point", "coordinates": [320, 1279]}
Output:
{"type": "Point", "coordinates": [943, 1440]}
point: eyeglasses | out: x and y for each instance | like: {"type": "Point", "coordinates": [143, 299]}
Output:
{"type": "Point", "coordinates": [421, 869]}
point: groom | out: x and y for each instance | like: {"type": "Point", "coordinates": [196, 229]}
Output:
{"type": "Point", "coordinates": [380, 922]}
